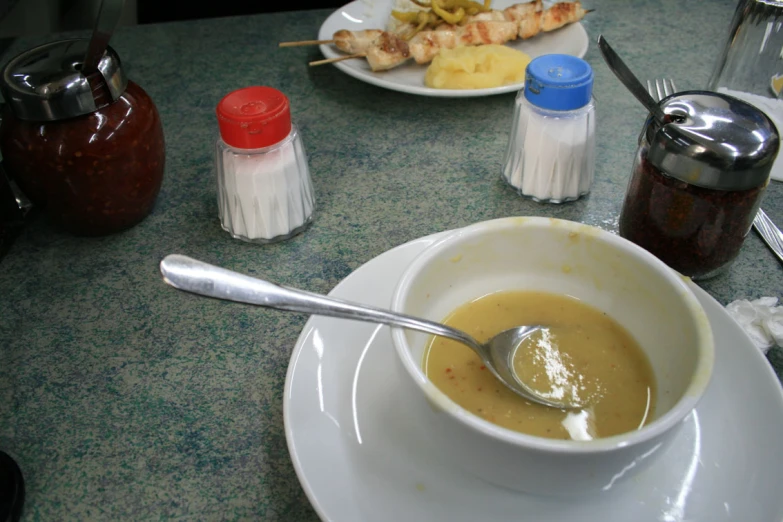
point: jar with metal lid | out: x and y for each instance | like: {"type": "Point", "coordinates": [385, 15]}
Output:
{"type": "Point", "coordinates": [697, 181]}
{"type": "Point", "coordinates": [89, 148]}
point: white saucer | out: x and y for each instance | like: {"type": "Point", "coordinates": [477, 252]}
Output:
{"type": "Point", "coordinates": [359, 457]}
{"type": "Point", "coordinates": [373, 14]}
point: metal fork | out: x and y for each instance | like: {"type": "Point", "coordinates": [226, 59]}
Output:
{"type": "Point", "coordinates": [771, 234]}
{"type": "Point", "coordinates": [660, 89]}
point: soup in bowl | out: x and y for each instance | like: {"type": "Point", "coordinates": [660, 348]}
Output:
{"type": "Point", "coordinates": [621, 332]}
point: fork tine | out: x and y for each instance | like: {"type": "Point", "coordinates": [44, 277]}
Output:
{"type": "Point", "coordinates": [668, 87]}
{"type": "Point", "coordinates": [660, 86]}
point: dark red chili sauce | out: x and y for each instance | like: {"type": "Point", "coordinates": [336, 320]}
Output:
{"type": "Point", "coordinates": [95, 174]}
{"type": "Point", "coordinates": [696, 231]}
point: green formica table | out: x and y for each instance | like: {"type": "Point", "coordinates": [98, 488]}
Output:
{"type": "Point", "coordinates": [124, 399]}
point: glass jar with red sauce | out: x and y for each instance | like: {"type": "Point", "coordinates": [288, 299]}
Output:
{"type": "Point", "coordinates": [698, 179]}
{"type": "Point", "coordinates": [88, 148]}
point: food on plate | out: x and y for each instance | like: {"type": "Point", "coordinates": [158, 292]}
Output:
{"type": "Point", "coordinates": [427, 44]}
{"type": "Point", "coordinates": [581, 353]}
{"type": "Point", "coordinates": [410, 16]}
{"type": "Point", "coordinates": [388, 49]}
{"type": "Point", "coordinates": [400, 9]}
{"type": "Point", "coordinates": [478, 67]}
{"type": "Point", "coordinates": [353, 42]}
{"type": "Point", "coordinates": [530, 18]}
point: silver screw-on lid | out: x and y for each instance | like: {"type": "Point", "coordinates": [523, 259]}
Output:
{"type": "Point", "coordinates": [46, 83]}
{"type": "Point", "coordinates": [713, 141]}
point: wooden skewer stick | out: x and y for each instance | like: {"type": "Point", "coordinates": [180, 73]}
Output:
{"type": "Point", "coordinates": [304, 42]}
{"type": "Point", "coordinates": [338, 59]}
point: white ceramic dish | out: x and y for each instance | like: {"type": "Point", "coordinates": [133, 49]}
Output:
{"type": "Point", "coordinates": [360, 457]}
{"type": "Point", "coordinates": [373, 14]}
{"type": "Point", "coordinates": [598, 268]}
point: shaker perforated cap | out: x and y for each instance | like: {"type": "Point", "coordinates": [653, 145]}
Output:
{"type": "Point", "coordinates": [254, 117]}
{"type": "Point", "coordinates": [46, 83]}
{"type": "Point", "coordinates": [559, 82]}
{"type": "Point", "coordinates": [713, 141]}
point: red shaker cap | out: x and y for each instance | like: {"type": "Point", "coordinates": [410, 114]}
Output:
{"type": "Point", "coordinates": [254, 117]}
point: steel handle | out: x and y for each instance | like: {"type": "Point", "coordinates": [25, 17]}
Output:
{"type": "Point", "coordinates": [198, 277]}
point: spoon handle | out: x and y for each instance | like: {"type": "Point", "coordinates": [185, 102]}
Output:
{"type": "Point", "coordinates": [108, 18]}
{"type": "Point", "coordinates": [191, 275]}
{"type": "Point", "coordinates": [628, 79]}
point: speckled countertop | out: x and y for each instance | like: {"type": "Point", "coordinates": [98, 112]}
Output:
{"type": "Point", "coordinates": [123, 400]}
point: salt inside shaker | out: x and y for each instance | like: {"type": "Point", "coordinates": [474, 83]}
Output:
{"type": "Point", "coordinates": [551, 148]}
{"type": "Point", "coordinates": [697, 181]}
{"type": "Point", "coordinates": [264, 189]}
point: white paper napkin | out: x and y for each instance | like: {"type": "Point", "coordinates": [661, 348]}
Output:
{"type": "Point", "coordinates": [762, 319]}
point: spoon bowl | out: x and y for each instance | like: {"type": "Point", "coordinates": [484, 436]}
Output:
{"type": "Point", "coordinates": [191, 275]}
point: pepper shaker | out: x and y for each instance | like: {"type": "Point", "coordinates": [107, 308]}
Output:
{"type": "Point", "coordinates": [551, 149]}
{"type": "Point", "coordinates": [265, 193]}
{"type": "Point", "coordinates": [697, 181]}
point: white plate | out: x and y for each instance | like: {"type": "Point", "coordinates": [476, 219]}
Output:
{"type": "Point", "coordinates": [359, 457]}
{"type": "Point", "coordinates": [373, 14]}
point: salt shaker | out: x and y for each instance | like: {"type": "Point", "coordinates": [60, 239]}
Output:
{"type": "Point", "coordinates": [697, 181]}
{"type": "Point", "coordinates": [264, 189]}
{"type": "Point", "coordinates": [551, 148]}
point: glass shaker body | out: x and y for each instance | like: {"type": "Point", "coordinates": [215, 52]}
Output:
{"type": "Point", "coordinates": [695, 230]}
{"type": "Point", "coordinates": [551, 153]}
{"type": "Point", "coordinates": [551, 149]}
{"type": "Point", "coordinates": [264, 189]}
{"type": "Point", "coordinates": [751, 60]}
{"type": "Point", "coordinates": [750, 66]}
{"type": "Point", "coordinates": [265, 195]}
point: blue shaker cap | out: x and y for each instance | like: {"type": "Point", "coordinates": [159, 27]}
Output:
{"type": "Point", "coordinates": [559, 82]}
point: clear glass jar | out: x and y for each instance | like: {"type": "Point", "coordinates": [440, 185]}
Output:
{"type": "Point", "coordinates": [264, 189]}
{"type": "Point", "coordinates": [551, 149]}
{"type": "Point", "coordinates": [749, 66]}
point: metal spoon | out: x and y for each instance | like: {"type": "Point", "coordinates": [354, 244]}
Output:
{"type": "Point", "coordinates": [628, 79]}
{"type": "Point", "coordinates": [201, 278]}
{"type": "Point", "coordinates": [108, 18]}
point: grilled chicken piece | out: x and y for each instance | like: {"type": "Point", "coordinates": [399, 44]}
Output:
{"type": "Point", "coordinates": [387, 51]}
{"type": "Point", "coordinates": [489, 16]}
{"type": "Point", "coordinates": [561, 14]}
{"type": "Point", "coordinates": [427, 44]}
{"type": "Point", "coordinates": [555, 17]}
{"type": "Point", "coordinates": [519, 12]}
{"type": "Point", "coordinates": [355, 42]}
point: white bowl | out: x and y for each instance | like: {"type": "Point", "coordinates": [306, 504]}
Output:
{"type": "Point", "coordinates": [603, 270]}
